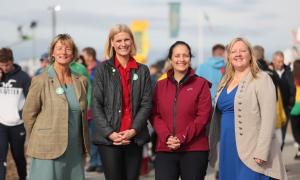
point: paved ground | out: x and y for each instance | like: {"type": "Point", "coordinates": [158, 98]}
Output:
{"type": "Point", "coordinates": [292, 166]}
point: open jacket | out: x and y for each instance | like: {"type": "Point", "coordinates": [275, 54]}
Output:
{"type": "Point", "coordinates": [254, 120]}
{"type": "Point", "coordinates": [183, 110]}
{"type": "Point", "coordinates": [107, 102]}
{"type": "Point", "coordinates": [288, 89]}
{"type": "Point", "coordinates": [46, 114]}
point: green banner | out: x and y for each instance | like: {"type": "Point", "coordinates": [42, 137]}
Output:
{"type": "Point", "coordinates": [174, 18]}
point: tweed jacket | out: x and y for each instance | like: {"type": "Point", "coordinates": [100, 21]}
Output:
{"type": "Point", "coordinates": [45, 115]}
{"type": "Point", "coordinates": [254, 120]}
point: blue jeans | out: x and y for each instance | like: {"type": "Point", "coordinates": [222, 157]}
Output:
{"type": "Point", "coordinates": [95, 156]}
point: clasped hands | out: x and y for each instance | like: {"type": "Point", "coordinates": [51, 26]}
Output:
{"type": "Point", "coordinates": [173, 143]}
{"type": "Point", "coordinates": [122, 138]}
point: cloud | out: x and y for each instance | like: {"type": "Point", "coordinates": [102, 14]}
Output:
{"type": "Point", "coordinates": [89, 22]}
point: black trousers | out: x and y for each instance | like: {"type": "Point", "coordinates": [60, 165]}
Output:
{"type": "Point", "coordinates": [187, 165]}
{"type": "Point", "coordinates": [121, 162]}
{"type": "Point", "coordinates": [284, 128]}
{"type": "Point", "coordinates": [295, 123]}
{"type": "Point", "coordinates": [15, 137]}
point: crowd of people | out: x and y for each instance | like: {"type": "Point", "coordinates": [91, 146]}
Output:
{"type": "Point", "coordinates": [231, 112]}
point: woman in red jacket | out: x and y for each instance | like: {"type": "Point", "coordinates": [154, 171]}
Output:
{"type": "Point", "coordinates": [181, 112]}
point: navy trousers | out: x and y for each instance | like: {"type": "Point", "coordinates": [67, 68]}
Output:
{"type": "Point", "coordinates": [13, 136]}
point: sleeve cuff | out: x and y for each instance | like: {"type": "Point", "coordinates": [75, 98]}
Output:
{"type": "Point", "coordinates": [182, 138]}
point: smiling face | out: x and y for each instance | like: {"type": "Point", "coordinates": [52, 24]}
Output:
{"type": "Point", "coordinates": [239, 56]}
{"type": "Point", "coordinates": [122, 44]}
{"type": "Point", "coordinates": [180, 58]}
{"type": "Point", "coordinates": [63, 52]}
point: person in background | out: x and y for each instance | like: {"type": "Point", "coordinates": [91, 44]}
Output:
{"type": "Point", "coordinates": [166, 68]}
{"type": "Point", "coordinates": [295, 112]}
{"type": "Point", "coordinates": [181, 111]}
{"type": "Point", "coordinates": [44, 61]}
{"type": "Point", "coordinates": [55, 116]}
{"type": "Point", "coordinates": [122, 102]}
{"type": "Point", "coordinates": [241, 136]}
{"type": "Point", "coordinates": [81, 60]}
{"type": "Point", "coordinates": [286, 86]}
{"type": "Point", "coordinates": [82, 70]}
{"type": "Point", "coordinates": [89, 59]}
{"type": "Point", "coordinates": [154, 74]}
{"type": "Point", "coordinates": [259, 53]}
{"type": "Point", "coordinates": [14, 87]}
{"type": "Point", "coordinates": [213, 68]}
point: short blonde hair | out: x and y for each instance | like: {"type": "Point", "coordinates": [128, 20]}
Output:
{"type": "Point", "coordinates": [108, 49]}
{"type": "Point", "coordinates": [229, 72]}
{"type": "Point", "coordinates": [63, 38]}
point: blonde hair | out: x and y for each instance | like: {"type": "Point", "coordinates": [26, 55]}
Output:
{"type": "Point", "coordinates": [63, 38]}
{"type": "Point", "coordinates": [229, 72]}
{"type": "Point", "coordinates": [118, 28]}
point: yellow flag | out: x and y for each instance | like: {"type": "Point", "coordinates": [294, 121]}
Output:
{"type": "Point", "coordinates": [140, 33]}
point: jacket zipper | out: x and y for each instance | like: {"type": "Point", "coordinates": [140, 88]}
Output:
{"type": "Point", "coordinates": [174, 111]}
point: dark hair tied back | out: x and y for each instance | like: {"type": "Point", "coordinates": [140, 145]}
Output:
{"type": "Point", "coordinates": [176, 44]}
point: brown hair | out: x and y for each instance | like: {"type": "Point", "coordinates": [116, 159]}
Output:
{"type": "Point", "coordinates": [218, 46]}
{"type": "Point", "coordinates": [6, 55]}
{"type": "Point", "coordinates": [296, 69]}
{"type": "Point", "coordinates": [90, 51]}
{"type": "Point", "coordinates": [108, 49]}
{"type": "Point", "coordinates": [63, 38]}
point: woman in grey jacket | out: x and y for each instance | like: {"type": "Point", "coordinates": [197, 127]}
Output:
{"type": "Point", "coordinates": [121, 106]}
{"type": "Point", "coordinates": [242, 138]}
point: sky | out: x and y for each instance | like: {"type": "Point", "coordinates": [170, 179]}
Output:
{"type": "Point", "coordinates": [265, 22]}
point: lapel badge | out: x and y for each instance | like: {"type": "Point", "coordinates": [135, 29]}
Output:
{"type": "Point", "coordinates": [59, 90]}
{"type": "Point", "coordinates": [135, 76]}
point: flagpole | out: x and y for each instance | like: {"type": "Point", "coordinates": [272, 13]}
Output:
{"type": "Point", "coordinates": [200, 58]}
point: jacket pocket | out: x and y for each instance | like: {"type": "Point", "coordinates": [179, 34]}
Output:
{"type": "Point", "coordinates": [43, 129]}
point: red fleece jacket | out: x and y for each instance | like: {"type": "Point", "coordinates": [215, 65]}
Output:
{"type": "Point", "coordinates": [182, 109]}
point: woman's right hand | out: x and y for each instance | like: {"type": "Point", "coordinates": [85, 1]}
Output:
{"type": "Point", "coordinates": [173, 143]}
{"type": "Point", "coordinates": [118, 139]}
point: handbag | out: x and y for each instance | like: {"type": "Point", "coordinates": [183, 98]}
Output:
{"type": "Point", "coordinates": [281, 116]}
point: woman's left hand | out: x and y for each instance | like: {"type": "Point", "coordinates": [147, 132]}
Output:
{"type": "Point", "coordinates": [128, 134]}
{"type": "Point", "coordinates": [259, 161]}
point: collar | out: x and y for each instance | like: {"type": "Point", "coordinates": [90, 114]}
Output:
{"type": "Point", "coordinates": [190, 73]}
{"type": "Point", "coordinates": [130, 65]}
{"type": "Point", "coordinates": [51, 72]}
{"type": "Point", "coordinates": [92, 67]}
